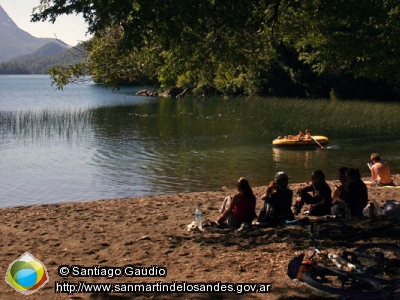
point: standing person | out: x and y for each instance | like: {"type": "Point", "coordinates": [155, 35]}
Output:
{"type": "Point", "coordinates": [380, 171]}
{"type": "Point", "coordinates": [277, 202]}
{"type": "Point", "coordinates": [239, 208]}
{"type": "Point", "coordinates": [355, 193]}
{"type": "Point", "coordinates": [319, 203]}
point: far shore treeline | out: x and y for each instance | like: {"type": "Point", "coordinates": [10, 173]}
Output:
{"type": "Point", "coordinates": [308, 49]}
{"type": "Point", "coordinates": [42, 59]}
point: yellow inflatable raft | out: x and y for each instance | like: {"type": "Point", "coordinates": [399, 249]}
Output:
{"type": "Point", "coordinates": [293, 142]}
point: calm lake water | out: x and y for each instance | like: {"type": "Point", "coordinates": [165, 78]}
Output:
{"type": "Point", "coordinates": [90, 143]}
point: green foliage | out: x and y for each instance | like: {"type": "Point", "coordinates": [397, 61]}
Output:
{"type": "Point", "coordinates": [273, 47]}
{"type": "Point", "coordinates": [355, 36]}
{"type": "Point", "coordinates": [62, 75]}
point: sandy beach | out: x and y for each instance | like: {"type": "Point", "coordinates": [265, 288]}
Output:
{"type": "Point", "coordinates": [150, 235]}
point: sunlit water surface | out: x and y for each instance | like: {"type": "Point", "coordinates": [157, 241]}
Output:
{"type": "Point", "coordinates": [90, 143]}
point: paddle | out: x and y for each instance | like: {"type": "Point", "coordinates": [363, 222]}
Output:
{"type": "Point", "coordinates": [322, 147]}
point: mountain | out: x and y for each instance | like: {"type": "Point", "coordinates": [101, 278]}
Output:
{"type": "Point", "coordinates": [15, 41]}
{"type": "Point", "coordinates": [39, 61]}
{"type": "Point", "coordinates": [47, 50]}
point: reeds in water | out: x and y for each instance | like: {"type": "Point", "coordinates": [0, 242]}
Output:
{"type": "Point", "coordinates": [323, 117]}
{"type": "Point", "coordinates": [40, 125]}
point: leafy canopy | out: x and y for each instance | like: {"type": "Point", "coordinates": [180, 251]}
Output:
{"type": "Point", "coordinates": [233, 46]}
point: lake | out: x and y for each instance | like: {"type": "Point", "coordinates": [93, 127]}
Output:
{"type": "Point", "coordinates": [91, 143]}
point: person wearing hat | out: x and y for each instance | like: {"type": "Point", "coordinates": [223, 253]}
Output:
{"type": "Point", "coordinates": [319, 201]}
{"type": "Point", "coordinates": [277, 202]}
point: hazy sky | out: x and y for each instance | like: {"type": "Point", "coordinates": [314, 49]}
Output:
{"type": "Point", "coordinates": [70, 29]}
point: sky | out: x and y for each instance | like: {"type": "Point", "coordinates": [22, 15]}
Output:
{"type": "Point", "coordinates": [70, 29]}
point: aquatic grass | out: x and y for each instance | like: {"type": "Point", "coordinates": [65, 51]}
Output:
{"type": "Point", "coordinates": [267, 118]}
{"type": "Point", "coordinates": [356, 117]}
{"type": "Point", "coordinates": [39, 125]}
{"type": "Point", "coordinates": [250, 119]}
{"type": "Point", "coordinates": [350, 118]}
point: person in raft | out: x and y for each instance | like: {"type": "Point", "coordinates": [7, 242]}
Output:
{"type": "Point", "coordinates": [277, 202]}
{"type": "Point", "coordinates": [300, 136]}
{"type": "Point", "coordinates": [308, 134]}
{"type": "Point", "coordinates": [239, 208]}
{"type": "Point", "coordinates": [380, 172]}
{"type": "Point", "coordinates": [319, 203]}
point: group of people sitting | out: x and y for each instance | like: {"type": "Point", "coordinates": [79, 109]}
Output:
{"type": "Point", "coordinates": [302, 136]}
{"type": "Point", "coordinates": [351, 192]}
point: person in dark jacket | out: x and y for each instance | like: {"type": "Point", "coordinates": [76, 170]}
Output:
{"type": "Point", "coordinates": [277, 202]}
{"type": "Point", "coordinates": [355, 193]}
{"type": "Point", "coordinates": [319, 201]}
{"type": "Point", "coordinates": [338, 204]}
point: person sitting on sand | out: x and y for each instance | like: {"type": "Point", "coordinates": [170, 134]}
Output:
{"type": "Point", "coordinates": [319, 203]}
{"type": "Point", "coordinates": [336, 194]}
{"type": "Point", "coordinates": [355, 193]}
{"type": "Point", "coordinates": [338, 204]}
{"type": "Point", "coordinates": [277, 202]}
{"type": "Point", "coordinates": [380, 172]}
{"type": "Point", "coordinates": [239, 208]}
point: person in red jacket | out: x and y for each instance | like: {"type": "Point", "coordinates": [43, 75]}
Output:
{"type": "Point", "coordinates": [239, 208]}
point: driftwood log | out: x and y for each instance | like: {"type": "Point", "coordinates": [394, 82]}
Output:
{"type": "Point", "coordinates": [169, 93]}
{"type": "Point", "coordinates": [146, 93]}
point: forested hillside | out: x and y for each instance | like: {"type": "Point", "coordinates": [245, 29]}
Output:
{"type": "Point", "coordinates": [330, 49]}
{"type": "Point", "coordinates": [40, 61]}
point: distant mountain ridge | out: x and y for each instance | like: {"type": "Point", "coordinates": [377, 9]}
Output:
{"type": "Point", "coordinates": [17, 42]}
{"type": "Point", "coordinates": [49, 49]}
{"type": "Point", "coordinates": [39, 62]}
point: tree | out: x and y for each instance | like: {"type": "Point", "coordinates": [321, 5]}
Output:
{"type": "Point", "coordinates": [357, 36]}
{"type": "Point", "coordinates": [233, 46]}
{"type": "Point", "coordinates": [185, 42]}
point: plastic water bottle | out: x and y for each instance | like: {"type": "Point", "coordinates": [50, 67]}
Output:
{"type": "Point", "coordinates": [243, 226]}
{"type": "Point", "coordinates": [197, 217]}
{"type": "Point", "coordinates": [371, 210]}
{"type": "Point", "coordinates": [347, 212]}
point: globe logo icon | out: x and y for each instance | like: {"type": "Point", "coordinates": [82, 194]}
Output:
{"type": "Point", "coordinates": [27, 274]}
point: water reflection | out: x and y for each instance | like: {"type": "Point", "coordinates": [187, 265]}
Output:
{"type": "Point", "coordinates": [156, 147]}
{"type": "Point", "coordinates": [291, 157]}
{"type": "Point", "coordinates": [300, 163]}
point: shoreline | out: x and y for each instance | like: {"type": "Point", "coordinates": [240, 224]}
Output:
{"type": "Point", "coordinates": [151, 231]}
{"type": "Point", "coordinates": [258, 191]}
